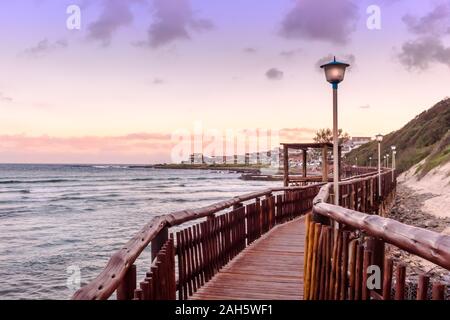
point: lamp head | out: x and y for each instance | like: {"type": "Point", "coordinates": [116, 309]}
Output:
{"type": "Point", "coordinates": [393, 148]}
{"type": "Point", "coordinates": [379, 137]}
{"type": "Point", "coordinates": [335, 71]}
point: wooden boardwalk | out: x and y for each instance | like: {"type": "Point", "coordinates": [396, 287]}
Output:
{"type": "Point", "coordinates": [269, 269]}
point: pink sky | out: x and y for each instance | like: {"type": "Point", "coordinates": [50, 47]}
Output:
{"type": "Point", "coordinates": [137, 71]}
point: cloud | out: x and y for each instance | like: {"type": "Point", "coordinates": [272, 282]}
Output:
{"type": "Point", "coordinates": [419, 54]}
{"type": "Point", "coordinates": [115, 14]}
{"type": "Point", "coordinates": [274, 74]}
{"type": "Point", "coordinates": [436, 22]}
{"type": "Point", "coordinates": [367, 106]}
{"type": "Point", "coordinates": [139, 144]}
{"type": "Point", "coordinates": [174, 20]}
{"type": "Point", "coordinates": [428, 48]}
{"type": "Point", "coordinates": [290, 53]}
{"type": "Point", "coordinates": [323, 20]}
{"type": "Point", "coordinates": [158, 81]}
{"type": "Point", "coordinates": [44, 47]}
{"type": "Point", "coordinates": [292, 135]}
{"type": "Point", "coordinates": [347, 58]}
{"type": "Point", "coordinates": [4, 98]}
{"type": "Point", "coordinates": [136, 147]}
{"type": "Point", "coordinates": [250, 50]}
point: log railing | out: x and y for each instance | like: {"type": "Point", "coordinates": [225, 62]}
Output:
{"type": "Point", "coordinates": [351, 260]}
{"type": "Point", "coordinates": [189, 247]}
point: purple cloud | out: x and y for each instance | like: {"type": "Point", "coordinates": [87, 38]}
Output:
{"type": "Point", "coordinates": [324, 20]}
{"type": "Point", "coordinates": [174, 20]}
{"type": "Point", "coordinates": [115, 14]}
{"type": "Point", "coordinates": [421, 53]}
{"type": "Point", "coordinates": [274, 74]}
{"type": "Point", "coordinates": [45, 46]}
{"type": "Point", "coordinates": [290, 53]}
{"type": "Point", "coordinates": [437, 22]}
{"type": "Point", "coordinates": [158, 81]}
{"type": "Point", "coordinates": [428, 48]}
{"type": "Point", "coordinates": [250, 50]}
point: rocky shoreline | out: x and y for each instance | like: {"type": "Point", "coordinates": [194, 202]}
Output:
{"type": "Point", "coordinates": [408, 209]}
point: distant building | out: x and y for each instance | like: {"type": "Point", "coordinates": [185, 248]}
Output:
{"type": "Point", "coordinates": [354, 143]}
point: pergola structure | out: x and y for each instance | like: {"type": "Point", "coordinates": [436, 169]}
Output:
{"type": "Point", "coordinates": [304, 147]}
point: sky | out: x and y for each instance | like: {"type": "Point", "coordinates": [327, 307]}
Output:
{"type": "Point", "coordinates": [123, 84]}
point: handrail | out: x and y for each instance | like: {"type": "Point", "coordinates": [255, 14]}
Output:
{"type": "Point", "coordinates": [432, 246]}
{"type": "Point", "coordinates": [104, 285]}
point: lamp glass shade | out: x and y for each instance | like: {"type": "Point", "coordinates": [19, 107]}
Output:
{"type": "Point", "coordinates": [379, 137]}
{"type": "Point", "coordinates": [335, 71]}
{"type": "Point", "coordinates": [393, 148]}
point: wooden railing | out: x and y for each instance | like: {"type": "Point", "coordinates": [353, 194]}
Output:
{"type": "Point", "coordinates": [351, 260]}
{"type": "Point", "coordinates": [189, 247]}
{"type": "Point", "coordinates": [347, 172]}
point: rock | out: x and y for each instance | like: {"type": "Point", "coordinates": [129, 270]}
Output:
{"type": "Point", "coordinates": [431, 224]}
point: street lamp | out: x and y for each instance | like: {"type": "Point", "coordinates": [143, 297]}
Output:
{"type": "Point", "coordinates": [394, 152]}
{"type": "Point", "coordinates": [379, 138]}
{"type": "Point", "coordinates": [356, 161]}
{"type": "Point", "coordinates": [384, 161]}
{"type": "Point", "coordinates": [387, 160]}
{"type": "Point", "coordinates": [370, 161]}
{"type": "Point", "coordinates": [335, 73]}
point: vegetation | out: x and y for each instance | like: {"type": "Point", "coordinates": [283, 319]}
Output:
{"type": "Point", "coordinates": [439, 156]}
{"type": "Point", "coordinates": [326, 136]}
{"type": "Point", "coordinates": [426, 135]}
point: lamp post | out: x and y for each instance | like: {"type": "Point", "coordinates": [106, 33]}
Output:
{"type": "Point", "coordinates": [387, 160]}
{"type": "Point", "coordinates": [335, 73]}
{"type": "Point", "coordinates": [370, 161]}
{"type": "Point", "coordinates": [356, 161]}
{"type": "Point", "coordinates": [379, 138]}
{"type": "Point", "coordinates": [394, 152]}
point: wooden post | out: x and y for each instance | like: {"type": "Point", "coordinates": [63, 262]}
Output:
{"type": "Point", "coordinates": [400, 282]}
{"type": "Point", "coordinates": [125, 291]}
{"type": "Point", "coordinates": [422, 287]}
{"type": "Point", "coordinates": [286, 165]}
{"type": "Point", "coordinates": [377, 248]}
{"type": "Point", "coordinates": [159, 241]}
{"type": "Point", "coordinates": [340, 162]}
{"type": "Point", "coordinates": [325, 163]}
{"type": "Point", "coordinates": [366, 263]}
{"type": "Point", "coordinates": [438, 291]}
{"type": "Point", "coordinates": [387, 278]}
{"type": "Point", "coordinates": [304, 163]}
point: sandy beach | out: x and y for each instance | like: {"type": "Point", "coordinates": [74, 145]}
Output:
{"type": "Point", "coordinates": [437, 183]}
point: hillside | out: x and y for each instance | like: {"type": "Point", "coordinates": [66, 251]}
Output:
{"type": "Point", "coordinates": [428, 134]}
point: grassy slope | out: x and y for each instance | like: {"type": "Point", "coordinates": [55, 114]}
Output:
{"type": "Point", "coordinates": [439, 156]}
{"type": "Point", "coordinates": [424, 135]}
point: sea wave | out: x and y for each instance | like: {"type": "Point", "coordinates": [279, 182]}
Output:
{"type": "Point", "coordinates": [37, 181]}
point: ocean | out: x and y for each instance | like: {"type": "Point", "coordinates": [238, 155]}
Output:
{"type": "Point", "coordinates": [55, 219]}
